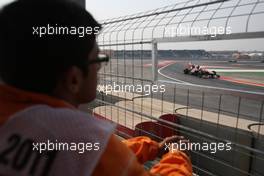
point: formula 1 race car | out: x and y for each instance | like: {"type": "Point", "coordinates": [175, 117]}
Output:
{"type": "Point", "coordinates": [200, 72]}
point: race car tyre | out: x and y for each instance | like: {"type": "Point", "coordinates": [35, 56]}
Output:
{"type": "Point", "coordinates": [186, 71]}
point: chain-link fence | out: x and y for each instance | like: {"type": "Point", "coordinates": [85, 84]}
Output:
{"type": "Point", "coordinates": [141, 91]}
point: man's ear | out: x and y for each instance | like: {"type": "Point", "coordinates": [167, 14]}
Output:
{"type": "Point", "coordinates": [74, 79]}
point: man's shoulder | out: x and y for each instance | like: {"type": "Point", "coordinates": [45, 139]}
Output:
{"type": "Point", "coordinates": [48, 113]}
{"type": "Point", "coordinates": [55, 122]}
{"type": "Point", "coordinates": [77, 139]}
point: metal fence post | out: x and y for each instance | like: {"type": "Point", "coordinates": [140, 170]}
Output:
{"type": "Point", "coordinates": [154, 60]}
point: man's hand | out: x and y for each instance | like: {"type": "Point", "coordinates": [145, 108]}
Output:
{"type": "Point", "coordinates": [167, 144]}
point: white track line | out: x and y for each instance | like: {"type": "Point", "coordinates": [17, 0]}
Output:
{"type": "Point", "coordinates": [237, 70]}
{"type": "Point", "coordinates": [177, 80]}
{"type": "Point", "coordinates": [203, 86]}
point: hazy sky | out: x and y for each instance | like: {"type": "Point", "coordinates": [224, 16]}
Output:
{"type": "Point", "coordinates": [105, 9]}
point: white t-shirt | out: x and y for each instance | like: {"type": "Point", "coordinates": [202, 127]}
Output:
{"type": "Point", "coordinates": [42, 140]}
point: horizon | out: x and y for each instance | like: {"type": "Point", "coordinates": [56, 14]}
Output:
{"type": "Point", "coordinates": [127, 7]}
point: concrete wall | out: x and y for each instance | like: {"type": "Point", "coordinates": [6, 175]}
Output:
{"type": "Point", "coordinates": [221, 163]}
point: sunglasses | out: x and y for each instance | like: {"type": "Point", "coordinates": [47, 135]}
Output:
{"type": "Point", "coordinates": [101, 58]}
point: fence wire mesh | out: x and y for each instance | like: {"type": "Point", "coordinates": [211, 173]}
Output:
{"type": "Point", "coordinates": [204, 114]}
